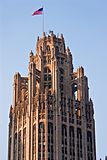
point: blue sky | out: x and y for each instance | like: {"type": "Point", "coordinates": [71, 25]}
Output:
{"type": "Point", "coordinates": [84, 26]}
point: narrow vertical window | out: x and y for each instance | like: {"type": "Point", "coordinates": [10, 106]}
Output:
{"type": "Point", "coordinates": [64, 141]}
{"type": "Point", "coordinates": [19, 145]}
{"type": "Point", "coordinates": [89, 145]}
{"type": "Point", "coordinates": [34, 143]}
{"type": "Point", "coordinates": [24, 144]}
{"type": "Point", "coordinates": [50, 141]}
{"type": "Point", "coordinates": [72, 143]}
{"type": "Point", "coordinates": [79, 143]}
{"type": "Point", "coordinates": [41, 149]}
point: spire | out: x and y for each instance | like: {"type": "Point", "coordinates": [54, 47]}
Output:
{"type": "Point", "coordinates": [62, 36]}
{"type": "Point", "coordinates": [31, 53]}
{"type": "Point", "coordinates": [37, 38]}
{"type": "Point", "coordinates": [31, 56]}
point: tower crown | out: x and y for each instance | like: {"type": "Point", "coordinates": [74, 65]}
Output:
{"type": "Point", "coordinates": [50, 41]}
{"type": "Point", "coordinates": [52, 116]}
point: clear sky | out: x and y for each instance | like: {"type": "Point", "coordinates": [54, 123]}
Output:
{"type": "Point", "coordinates": [84, 26]}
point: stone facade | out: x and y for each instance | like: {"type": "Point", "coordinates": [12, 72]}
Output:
{"type": "Point", "coordinates": [52, 116]}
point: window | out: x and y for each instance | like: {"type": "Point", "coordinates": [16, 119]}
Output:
{"type": "Point", "coordinates": [62, 60]}
{"type": "Point", "coordinates": [24, 144]}
{"type": "Point", "coordinates": [61, 71]}
{"type": "Point", "coordinates": [50, 141]}
{"type": "Point", "coordinates": [61, 86]}
{"type": "Point", "coordinates": [48, 48]}
{"type": "Point", "coordinates": [44, 60]}
{"type": "Point", "coordinates": [45, 70]}
{"type": "Point", "coordinates": [41, 140]}
{"type": "Point", "coordinates": [49, 77]}
{"type": "Point", "coordinates": [71, 142]}
{"type": "Point", "coordinates": [19, 145]}
{"type": "Point", "coordinates": [89, 145]}
{"type": "Point", "coordinates": [61, 79]}
{"type": "Point", "coordinates": [64, 140]}
{"type": "Point", "coordinates": [49, 59]}
{"type": "Point", "coordinates": [45, 77]}
{"type": "Point", "coordinates": [49, 85]}
{"type": "Point", "coordinates": [74, 91]}
{"type": "Point", "coordinates": [34, 143]}
{"type": "Point", "coordinates": [79, 143]}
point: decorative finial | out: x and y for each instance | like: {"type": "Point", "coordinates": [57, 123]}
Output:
{"type": "Point", "coordinates": [38, 38]}
{"type": "Point", "coordinates": [31, 53]}
{"type": "Point", "coordinates": [68, 50]}
{"type": "Point", "coordinates": [62, 36]}
{"type": "Point", "coordinates": [51, 32]}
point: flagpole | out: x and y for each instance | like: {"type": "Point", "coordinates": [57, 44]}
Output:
{"type": "Point", "coordinates": [40, 12]}
{"type": "Point", "coordinates": [43, 21]}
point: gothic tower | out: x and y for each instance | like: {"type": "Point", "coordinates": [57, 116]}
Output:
{"type": "Point", "coordinates": [52, 116]}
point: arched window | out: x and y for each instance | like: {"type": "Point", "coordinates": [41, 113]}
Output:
{"type": "Point", "coordinates": [47, 70]}
{"type": "Point", "coordinates": [41, 140]}
{"type": "Point", "coordinates": [48, 48]}
{"type": "Point", "coordinates": [74, 90]}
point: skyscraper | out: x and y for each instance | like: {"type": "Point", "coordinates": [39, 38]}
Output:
{"type": "Point", "coordinates": [52, 116]}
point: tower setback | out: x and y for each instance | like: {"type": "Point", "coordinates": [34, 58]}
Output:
{"type": "Point", "coordinates": [52, 116]}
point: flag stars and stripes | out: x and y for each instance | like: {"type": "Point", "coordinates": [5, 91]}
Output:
{"type": "Point", "coordinates": [38, 12]}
